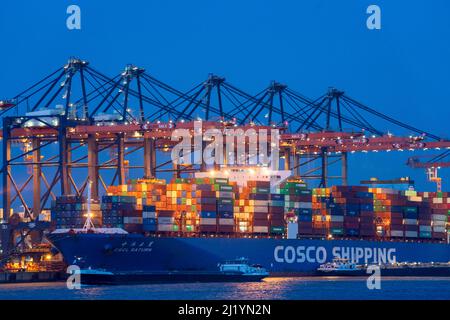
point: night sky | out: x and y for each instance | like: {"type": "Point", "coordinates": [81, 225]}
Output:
{"type": "Point", "coordinates": [402, 70]}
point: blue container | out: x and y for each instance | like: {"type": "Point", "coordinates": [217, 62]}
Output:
{"type": "Point", "coordinates": [208, 214]}
{"type": "Point", "coordinates": [305, 218]}
{"type": "Point", "coordinates": [149, 221]}
{"type": "Point", "coordinates": [277, 196]}
{"type": "Point", "coordinates": [396, 209]}
{"type": "Point", "coordinates": [411, 215]}
{"type": "Point", "coordinates": [148, 208]}
{"type": "Point", "coordinates": [149, 227]}
{"type": "Point", "coordinates": [362, 194]}
{"type": "Point", "coordinates": [225, 208]}
{"type": "Point", "coordinates": [351, 232]}
{"type": "Point", "coordinates": [337, 211]}
{"type": "Point", "coordinates": [259, 196]}
{"type": "Point", "coordinates": [304, 211]}
{"type": "Point", "coordinates": [367, 207]}
{"type": "Point", "coordinates": [226, 215]}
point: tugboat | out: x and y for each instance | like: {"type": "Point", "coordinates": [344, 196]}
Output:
{"type": "Point", "coordinates": [238, 270]}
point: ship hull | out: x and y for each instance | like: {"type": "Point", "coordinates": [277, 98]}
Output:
{"type": "Point", "coordinates": [165, 277]}
{"type": "Point", "coordinates": [138, 253]}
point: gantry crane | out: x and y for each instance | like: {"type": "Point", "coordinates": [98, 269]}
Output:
{"type": "Point", "coordinates": [432, 167]}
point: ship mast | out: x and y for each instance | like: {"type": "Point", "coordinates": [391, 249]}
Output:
{"type": "Point", "coordinates": [89, 225]}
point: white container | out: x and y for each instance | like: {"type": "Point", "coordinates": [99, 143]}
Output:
{"type": "Point", "coordinates": [136, 220]}
{"type": "Point", "coordinates": [261, 209]}
{"type": "Point", "coordinates": [439, 229]}
{"type": "Point", "coordinates": [396, 233]}
{"type": "Point", "coordinates": [208, 221]}
{"type": "Point", "coordinates": [437, 200]}
{"type": "Point", "coordinates": [425, 228]}
{"type": "Point", "coordinates": [439, 223]}
{"type": "Point", "coordinates": [292, 230]}
{"type": "Point", "coordinates": [166, 220]}
{"type": "Point", "coordinates": [438, 217]}
{"type": "Point", "coordinates": [411, 234]}
{"type": "Point", "coordinates": [259, 229]}
{"type": "Point", "coordinates": [410, 222]}
{"type": "Point", "coordinates": [226, 222]}
{"type": "Point", "coordinates": [165, 227]}
{"type": "Point", "coordinates": [260, 203]}
{"type": "Point", "coordinates": [149, 215]}
{"type": "Point", "coordinates": [305, 205]}
{"type": "Point", "coordinates": [337, 218]}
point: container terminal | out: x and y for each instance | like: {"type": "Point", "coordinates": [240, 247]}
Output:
{"type": "Point", "coordinates": [87, 176]}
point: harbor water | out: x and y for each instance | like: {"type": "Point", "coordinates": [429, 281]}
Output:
{"type": "Point", "coordinates": [325, 288]}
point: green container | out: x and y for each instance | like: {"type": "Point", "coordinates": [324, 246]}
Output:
{"type": "Point", "coordinates": [199, 181]}
{"type": "Point", "coordinates": [276, 203]}
{"type": "Point", "coordinates": [225, 201]}
{"type": "Point", "coordinates": [221, 181]}
{"type": "Point", "coordinates": [189, 228]}
{"type": "Point", "coordinates": [297, 185]}
{"type": "Point", "coordinates": [425, 234]}
{"type": "Point", "coordinates": [277, 229]}
{"type": "Point", "coordinates": [337, 231]}
{"type": "Point", "coordinates": [410, 209]}
{"type": "Point", "coordinates": [223, 187]}
{"type": "Point", "coordinates": [260, 190]}
{"type": "Point", "coordinates": [175, 227]}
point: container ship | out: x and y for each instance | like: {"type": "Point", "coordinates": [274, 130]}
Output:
{"type": "Point", "coordinates": [273, 220]}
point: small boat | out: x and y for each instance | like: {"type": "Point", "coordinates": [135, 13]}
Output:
{"type": "Point", "coordinates": [341, 267]}
{"type": "Point", "coordinates": [238, 270]}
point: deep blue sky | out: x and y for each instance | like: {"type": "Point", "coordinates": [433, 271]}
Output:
{"type": "Point", "coordinates": [402, 70]}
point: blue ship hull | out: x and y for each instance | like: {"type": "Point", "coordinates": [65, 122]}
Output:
{"type": "Point", "coordinates": [138, 253]}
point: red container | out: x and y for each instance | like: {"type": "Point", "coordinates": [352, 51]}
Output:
{"type": "Point", "coordinates": [133, 227]}
{"type": "Point", "coordinates": [367, 214]}
{"type": "Point", "coordinates": [166, 213]}
{"type": "Point", "coordinates": [207, 228]}
{"type": "Point", "coordinates": [439, 235]}
{"type": "Point", "coordinates": [411, 228]}
{"type": "Point", "coordinates": [206, 207]}
{"type": "Point", "coordinates": [274, 210]}
{"type": "Point", "coordinates": [305, 231]}
{"type": "Point", "coordinates": [351, 225]}
{"type": "Point", "coordinates": [349, 219]}
{"type": "Point", "coordinates": [320, 231]}
{"type": "Point", "coordinates": [225, 229]}
{"type": "Point", "coordinates": [261, 223]}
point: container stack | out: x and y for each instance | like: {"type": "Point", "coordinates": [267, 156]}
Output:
{"type": "Point", "coordinates": [321, 200]}
{"type": "Point", "coordinates": [439, 203]}
{"type": "Point", "coordinates": [149, 220]}
{"type": "Point", "coordinates": [298, 200]}
{"type": "Point", "coordinates": [276, 214]}
{"type": "Point", "coordinates": [225, 205]}
{"type": "Point", "coordinates": [70, 211]}
{"type": "Point", "coordinates": [181, 199]}
{"type": "Point", "coordinates": [122, 212]}
{"type": "Point", "coordinates": [206, 205]}
{"type": "Point", "coordinates": [146, 192]}
{"type": "Point", "coordinates": [258, 193]}
{"type": "Point", "coordinates": [166, 221]}
{"type": "Point", "coordinates": [348, 205]}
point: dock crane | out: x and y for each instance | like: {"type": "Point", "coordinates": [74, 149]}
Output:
{"type": "Point", "coordinates": [432, 167]}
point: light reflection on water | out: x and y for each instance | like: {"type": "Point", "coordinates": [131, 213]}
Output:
{"type": "Point", "coordinates": [270, 288]}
